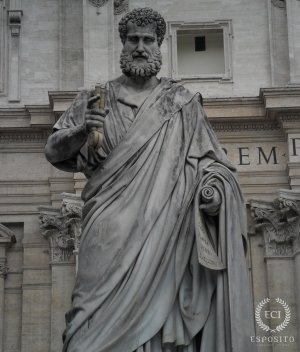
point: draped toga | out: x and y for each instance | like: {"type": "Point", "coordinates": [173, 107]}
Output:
{"type": "Point", "coordinates": [145, 282]}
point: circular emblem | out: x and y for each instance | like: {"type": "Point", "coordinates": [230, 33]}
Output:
{"type": "Point", "coordinates": [279, 327]}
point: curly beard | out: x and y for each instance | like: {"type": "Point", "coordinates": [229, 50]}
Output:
{"type": "Point", "coordinates": [130, 69]}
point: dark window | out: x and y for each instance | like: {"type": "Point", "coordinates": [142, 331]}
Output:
{"type": "Point", "coordinates": [200, 44]}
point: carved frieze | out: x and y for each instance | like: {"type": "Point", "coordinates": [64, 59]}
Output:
{"type": "Point", "coordinates": [279, 221]}
{"type": "Point", "coordinates": [62, 227]}
{"type": "Point", "coordinates": [24, 137]}
{"type": "Point", "coordinates": [246, 127]}
{"type": "Point", "coordinates": [289, 118]}
{"type": "Point", "coordinates": [120, 6]}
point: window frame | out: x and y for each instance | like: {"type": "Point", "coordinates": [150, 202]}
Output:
{"type": "Point", "coordinates": [199, 28]}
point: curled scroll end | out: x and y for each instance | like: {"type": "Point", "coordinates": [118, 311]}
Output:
{"type": "Point", "coordinates": [207, 194]}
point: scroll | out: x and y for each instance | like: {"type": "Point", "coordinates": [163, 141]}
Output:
{"type": "Point", "coordinates": [207, 254]}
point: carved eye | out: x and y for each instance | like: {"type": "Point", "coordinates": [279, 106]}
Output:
{"type": "Point", "coordinates": [133, 39]}
{"type": "Point", "coordinates": [148, 40]}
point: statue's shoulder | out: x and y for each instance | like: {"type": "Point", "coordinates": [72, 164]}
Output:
{"type": "Point", "coordinates": [180, 93]}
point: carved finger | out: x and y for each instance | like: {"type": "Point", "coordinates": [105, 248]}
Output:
{"type": "Point", "coordinates": [99, 112]}
{"type": "Point", "coordinates": [92, 101]}
{"type": "Point", "coordinates": [94, 124]}
{"type": "Point", "coordinates": [89, 117]}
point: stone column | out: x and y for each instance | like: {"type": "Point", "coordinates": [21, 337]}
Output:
{"type": "Point", "coordinates": [62, 228]}
{"type": "Point", "coordinates": [279, 50]}
{"type": "Point", "coordinates": [6, 239]}
{"type": "Point", "coordinates": [294, 158]}
{"type": "Point", "coordinates": [14, 19]}
{"type": "Point", "coordinates": [293, 15]}
{"type": "Point", "coordinates": [279, 222]}
{"type": "Point", "coordinates": [3, 273]}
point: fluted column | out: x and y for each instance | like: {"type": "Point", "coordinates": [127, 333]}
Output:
{"type": "Point", "coordinates": [63, 230]}
{"type": "Point", "coordinates": [7, 238]}
{"type": "Point", "coordinates": [293, 15]}
{"type": "Point", "coordinates": [14, 20]}
{"type": "Point", "coordinates": [279, 223]}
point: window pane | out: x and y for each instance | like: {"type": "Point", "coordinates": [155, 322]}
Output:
{"type": "Point", "coordinates": [192, 62]}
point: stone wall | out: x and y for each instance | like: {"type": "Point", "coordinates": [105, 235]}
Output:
{"type": "Point", "coordinates": [51, 48]}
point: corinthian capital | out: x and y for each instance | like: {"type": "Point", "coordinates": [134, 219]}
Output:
{"type": "Point", "coordinates": [279, 221]}
{"type": "Point", "coordinates": [62, 227]}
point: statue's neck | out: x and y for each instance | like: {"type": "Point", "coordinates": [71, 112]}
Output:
{"type": "Point", "coordinates": [140, 84]}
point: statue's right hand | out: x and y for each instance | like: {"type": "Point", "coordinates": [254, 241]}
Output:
{"type": "Point", "coordinates": [94, 117]}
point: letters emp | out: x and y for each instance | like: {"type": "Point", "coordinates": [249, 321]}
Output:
{"type": "Point", "coordinates": [257, 156]}
{"type": "Point", "coordinates": [283, 339]}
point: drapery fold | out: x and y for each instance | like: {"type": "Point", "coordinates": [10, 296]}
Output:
{"type": "Point", "coordinates": [139, 279]}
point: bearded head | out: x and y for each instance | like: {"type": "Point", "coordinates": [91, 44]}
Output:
{"type": "Point", "coordinates": [142, 32]}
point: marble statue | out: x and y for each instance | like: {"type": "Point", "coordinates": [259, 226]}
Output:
{"type": "Point", "coordinates": [162, 263]}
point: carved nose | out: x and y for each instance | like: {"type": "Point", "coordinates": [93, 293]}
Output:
{"type": "Point", "coordinates": [140, 47]}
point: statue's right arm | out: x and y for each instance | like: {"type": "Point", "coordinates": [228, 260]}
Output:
{"type": "Point", "coordinates": [63, 148]}
{"type": "Point", "coordinates": [65, 144]}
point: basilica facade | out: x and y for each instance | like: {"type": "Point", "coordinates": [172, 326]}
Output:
{"type": "Point", "coordinates": [242, 56]}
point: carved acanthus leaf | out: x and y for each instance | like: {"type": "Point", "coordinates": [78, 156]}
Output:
{"type": "Point", "coordinates": [69, 209]}
{"type": "Point", "coordinates": [62, 227]}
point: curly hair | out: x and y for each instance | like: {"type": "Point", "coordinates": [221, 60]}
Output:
{"type": "Point", "coordinates": [143, 16]}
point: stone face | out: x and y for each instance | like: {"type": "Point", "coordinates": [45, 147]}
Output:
{"type": "Point", "coordinates": [49, 49]}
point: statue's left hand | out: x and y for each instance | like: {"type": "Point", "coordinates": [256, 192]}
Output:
{"type": "Point", "coordinates": [211, 205]}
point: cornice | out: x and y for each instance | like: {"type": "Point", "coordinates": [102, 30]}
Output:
{"type": "Point", "coordinates": [280, 100]}
{"type": "Point", "coordinates": [273, 109]}
{"type": "Point", "coordinates": [40, 115]}
{"type": "Point", "coordinates": [60, 101]}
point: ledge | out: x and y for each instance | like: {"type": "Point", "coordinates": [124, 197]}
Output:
{"type": "Point", "coordinates": [275, 108]}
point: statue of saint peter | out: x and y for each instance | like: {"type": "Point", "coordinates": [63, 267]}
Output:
{"type": "Point", "coordinates": [162, 263]}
